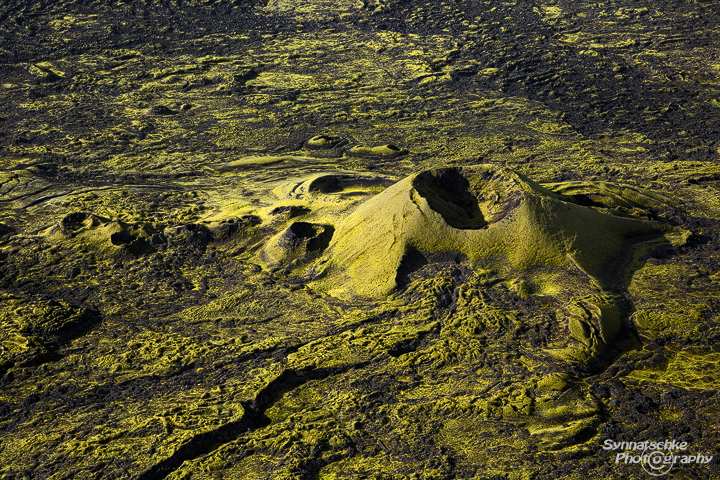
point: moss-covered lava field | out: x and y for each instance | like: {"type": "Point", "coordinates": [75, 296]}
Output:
{"type": "Point", "coordinates": [358, 239]}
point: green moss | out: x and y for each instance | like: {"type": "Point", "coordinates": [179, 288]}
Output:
{"type": "Point", "coordinates": [692, 370]}
{"type": "Point", "coordinates": [505, 220]}
{"type": "Point", "coordinates": [460, 339]}
{"type": "Point", "coordinates": [382, 151]}
{"type": "Point", "coordinates": [664, 308]}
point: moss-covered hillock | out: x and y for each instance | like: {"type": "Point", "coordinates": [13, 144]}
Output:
{"type": "Point", "coordinates": [495, 217]}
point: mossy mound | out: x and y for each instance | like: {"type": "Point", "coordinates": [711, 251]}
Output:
{"type": "Point", "coordinates": [77, 222]}
{"type": "Point", "coordinates": [298, 241]}
{"type": "Point", "coordinates": [497, 218]}
{"type": "Point", "coordinates": [324, 142]}
{"type": "Point", "coordinates": [102, 234]}
{"type": "Point", "coordinates": [591, 326]}
{"type": "Point", "coordinates": [253, 162]}
{"type": "Point", "coordinates": [243, 225]}
{"type": "Point", "coordinates": [333, 185]}
{"type": "Point", "coordinates": [379, 152]}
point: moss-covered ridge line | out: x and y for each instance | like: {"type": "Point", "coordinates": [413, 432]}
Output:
{"type": "Point", "coordinates": [495, 217]}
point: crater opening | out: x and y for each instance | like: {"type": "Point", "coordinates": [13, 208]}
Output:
{"type": "Point", "coordinates": [315, 237]}
{"type": "Point", "coordinates": [75, 221]}
{"type": "Point", "coordinates": [121, 238]}
{"type": "Point", "coordinates": [448, 193]}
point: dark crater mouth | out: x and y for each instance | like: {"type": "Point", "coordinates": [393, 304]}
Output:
{"type": "Point", "coordinates": [75, 221]}
{"type": "Point", "coordinates": [315, 237]}
{"type": "Point", "coordinates": [289, 211]}
{"type": "Point", "coordinates": [337, 183]}
{"type": "Point", "coordinates": [121, 238]}
{"type": "Point", "coordinates": [448, 193]}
